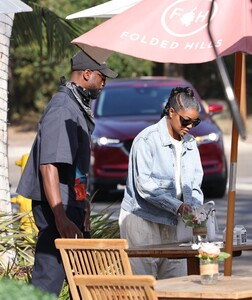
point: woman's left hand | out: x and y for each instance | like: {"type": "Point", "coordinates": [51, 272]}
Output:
{"type": "Point", "coordinates": [184, 209]}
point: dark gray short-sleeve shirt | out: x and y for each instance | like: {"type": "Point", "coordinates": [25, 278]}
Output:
{"type": "Point", "coordinates": [63, 139]}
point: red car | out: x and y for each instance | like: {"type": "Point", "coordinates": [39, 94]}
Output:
{"type": "Point", "coordinates": [124, 108]}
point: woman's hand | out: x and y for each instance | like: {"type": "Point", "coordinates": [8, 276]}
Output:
{"type": "Point", "coordinates": [184, 209]}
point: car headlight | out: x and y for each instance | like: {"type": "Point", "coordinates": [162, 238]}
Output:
{"type": "Point", "coordinates": [211, 137]}
{"type": "Point", "coordinates": [104, 141]}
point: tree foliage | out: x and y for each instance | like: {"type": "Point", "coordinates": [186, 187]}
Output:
{"type": "Point", "coordinates": [41, 51]}
{"type": "Point", "coordinates": [43, 28]}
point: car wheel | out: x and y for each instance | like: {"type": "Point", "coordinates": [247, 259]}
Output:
{"type": "Point", "coordinates": [216, 189]}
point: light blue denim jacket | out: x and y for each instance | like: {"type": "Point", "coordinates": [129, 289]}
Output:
{"type": "Point", "coordinates": [150, 191]}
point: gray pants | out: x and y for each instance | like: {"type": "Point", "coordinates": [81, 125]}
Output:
{"type": "Point", "coordinates": [139, 232]}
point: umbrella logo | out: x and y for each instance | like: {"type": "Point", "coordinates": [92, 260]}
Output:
{"type": "Point", "coordinates": [181, 19]}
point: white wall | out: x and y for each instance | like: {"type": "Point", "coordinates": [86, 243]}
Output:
{"type": "Point", "coordinates": [6, 22]}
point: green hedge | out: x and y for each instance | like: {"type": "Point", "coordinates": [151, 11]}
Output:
{"type": "Point", "coordinates": [11, 289]}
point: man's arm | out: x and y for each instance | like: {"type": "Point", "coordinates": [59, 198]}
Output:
{"type": "Point", "coordinates": [50, 177]}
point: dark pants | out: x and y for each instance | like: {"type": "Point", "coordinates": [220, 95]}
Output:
{"type": "Point", "coordinates": [48, 272]}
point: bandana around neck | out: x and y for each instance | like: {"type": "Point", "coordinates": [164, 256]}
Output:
{"type": "Point", "coordinates": [83, 98]}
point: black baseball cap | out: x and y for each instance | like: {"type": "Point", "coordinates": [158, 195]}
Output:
{"type": "Point", "coordinates": [82, 61]}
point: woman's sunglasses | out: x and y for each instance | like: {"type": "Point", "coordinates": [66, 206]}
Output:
{"type": "Point", "coordinates": [187, 122]}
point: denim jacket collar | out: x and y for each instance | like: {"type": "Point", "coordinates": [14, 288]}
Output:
{"type": "Point", "coordinates": [165, 138]}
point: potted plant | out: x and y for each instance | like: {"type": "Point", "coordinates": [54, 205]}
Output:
{"type": "Point", "coordinates": [209, 255]}
{"type": "Point", "coordinates": [197, 219]}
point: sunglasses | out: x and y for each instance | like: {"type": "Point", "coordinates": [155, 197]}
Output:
{"type": "Point", "coordinates": [187, 122]}
{"type": "Point", "coordinates": [103, 77]}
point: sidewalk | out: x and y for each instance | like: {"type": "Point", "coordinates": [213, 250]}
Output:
{"type": "Point", "coordinates": [20, 143]}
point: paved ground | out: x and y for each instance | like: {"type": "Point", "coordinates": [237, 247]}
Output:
{"type": "Point", "coordinates": [19, 142]}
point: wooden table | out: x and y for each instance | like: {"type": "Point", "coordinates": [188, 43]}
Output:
{"type": "Point", "coordinates": [174, 251]}
{"type": "Point", "coordinates": [190, 287]}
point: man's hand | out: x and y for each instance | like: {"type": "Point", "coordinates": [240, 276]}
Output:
{"type": "Point", "coordinates": [66, 228]}
{"type": "Point", "coordinates": [86, 224]}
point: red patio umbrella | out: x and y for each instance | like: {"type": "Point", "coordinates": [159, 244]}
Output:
{"type": "Point", "coordinates": [174, 31]}
{"type": "Point", "coordinates": [171, 31]}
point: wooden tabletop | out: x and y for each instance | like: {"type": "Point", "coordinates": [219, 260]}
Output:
{"type": "Point", "coordinates": [190, 287]}
{"type": "Point", "coordinates": [174, 250]}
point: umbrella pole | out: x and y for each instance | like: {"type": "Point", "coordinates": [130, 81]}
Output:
{"type": "Point", "coordinates": [240, 92]}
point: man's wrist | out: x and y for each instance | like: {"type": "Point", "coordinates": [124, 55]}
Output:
{"type": "Point", "coordinates": [58, 211]}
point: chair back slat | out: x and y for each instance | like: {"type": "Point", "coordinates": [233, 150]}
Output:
{"type": "Point", "coordinates": [116, 261]}
{"type": "Point", "coordinates": [102, 287]}
{"type": "Point", "coordinates": [93, 257]}
{"type": "Point", "coordinates": [102, 266]}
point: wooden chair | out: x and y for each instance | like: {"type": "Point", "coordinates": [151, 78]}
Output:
{"type": "Point", "coordinates": [100, 287]}
{"type": "Point", "coordinates": [93, 257]}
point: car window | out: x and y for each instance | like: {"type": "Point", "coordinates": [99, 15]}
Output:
{"type": "Point", "coordinates": [130, 101]}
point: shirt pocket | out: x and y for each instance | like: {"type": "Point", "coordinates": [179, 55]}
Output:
{"type": "Point", "coordinates": [165, 183]}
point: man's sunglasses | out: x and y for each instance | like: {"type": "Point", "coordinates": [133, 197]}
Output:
{"type": "Point", "coordinates": [103, 77]}
{"type": "Point", "coordinates": [187, 122]}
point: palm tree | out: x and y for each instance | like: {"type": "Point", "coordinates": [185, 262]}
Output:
{"type": "Point", "coordinates": [46, 29]}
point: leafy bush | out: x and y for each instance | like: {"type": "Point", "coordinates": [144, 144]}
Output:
{"type": "Point", "coordinates": [16, 247]}
{"type": "Point", "coordinates": [15, 240]}
{"type": "Point", "coordinates": [103, 227]}
{"type": "Point", "coordinates": [11, 289]}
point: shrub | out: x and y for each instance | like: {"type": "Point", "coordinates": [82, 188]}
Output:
{"type": "Point", "coordinates": [15, 240]}
{"type": "Point", "coordinates": [11, 289]}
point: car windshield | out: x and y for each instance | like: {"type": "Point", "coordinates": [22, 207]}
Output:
{"type": "Point", "coordinates": [131, 101]}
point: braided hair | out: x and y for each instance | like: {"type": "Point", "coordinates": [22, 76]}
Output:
{"type": "Point", "coordinates": [180, 98]}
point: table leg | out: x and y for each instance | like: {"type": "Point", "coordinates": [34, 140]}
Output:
{"type": "Point", "coordinates": [193, 266]}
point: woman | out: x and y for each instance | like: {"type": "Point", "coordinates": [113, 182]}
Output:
{"type": "Point", "coordinates": [164, 180]}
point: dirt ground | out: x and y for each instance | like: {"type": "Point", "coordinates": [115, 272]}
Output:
{"type": "Point", "coordinates": [18, 136]}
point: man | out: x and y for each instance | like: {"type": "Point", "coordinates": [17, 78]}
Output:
{"type": "Point", "coordinates": [55, 175]}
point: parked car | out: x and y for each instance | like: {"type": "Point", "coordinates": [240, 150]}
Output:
{"type": "Point", "coordinates": [124, 108]}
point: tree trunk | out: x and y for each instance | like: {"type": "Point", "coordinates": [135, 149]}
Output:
{"type": "Point", "coordinates": [6, 22]}
{"type": "Point", "coordinates": [169, 69]}
{"type": "Point", "coordinates": [174, 70]}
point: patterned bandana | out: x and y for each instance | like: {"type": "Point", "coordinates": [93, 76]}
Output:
{"type": "Point", "coordinates": [83, 98]}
